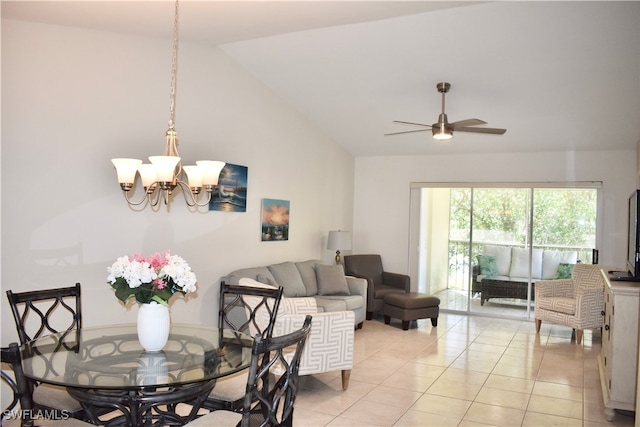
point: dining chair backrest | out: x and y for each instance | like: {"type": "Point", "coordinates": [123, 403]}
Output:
{"type": "Point", "coordinates": [249, 309]}
{"type": "Point", "coordinates": [21, 393]}
{"type": "Point", "coordinates": [46, 311]}
{"type": "Point", "coordinates": [21, 406]}
{"type": "Point", "coordinates": [269, 401]}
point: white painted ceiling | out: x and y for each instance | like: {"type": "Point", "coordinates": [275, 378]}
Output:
{"type": "Point", "coordinates": [557, 75]}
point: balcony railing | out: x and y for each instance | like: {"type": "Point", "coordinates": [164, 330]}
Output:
{"type": "Point", "coordinates": [459, 265]}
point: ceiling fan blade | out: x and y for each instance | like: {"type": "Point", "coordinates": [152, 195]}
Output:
{"type": "Point", "coordinates": [468, 122]}
{"type": "Point", "coordinates": [406, 131]}
{"type": "Point", "coordinates": [481, 130]}
{"type": "Point", "coordinates": [411, 123]}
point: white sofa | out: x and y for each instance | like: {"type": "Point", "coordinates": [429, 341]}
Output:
{"type": "Point", "coordinates": [512, 265]}
{"type": "Point", "coordinates": [326, 284]}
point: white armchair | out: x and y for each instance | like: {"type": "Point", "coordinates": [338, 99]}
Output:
{"type": "Point", "coordinates": [329, 346]}
{"type": "Point", "coordinates": [577, 302]}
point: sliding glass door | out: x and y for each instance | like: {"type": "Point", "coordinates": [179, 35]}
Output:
{"type": "Point", "coordinates": [481, 249]}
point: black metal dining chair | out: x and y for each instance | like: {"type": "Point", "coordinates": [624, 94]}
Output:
{"type": "Point", "coordinates": [44, 312]}
{"type": "Point", "coordinates": [21, 411]}
{"type": "Point", "coordinates": [267, 402]}
{"type": "Point", "coordinates": [246, 309]}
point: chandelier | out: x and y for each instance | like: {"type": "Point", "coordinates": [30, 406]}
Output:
{"type": "Point", "coordinates": [165, 173]}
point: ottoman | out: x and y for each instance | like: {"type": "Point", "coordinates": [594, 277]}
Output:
{"type": "Point", "coordinates": [411, 306]}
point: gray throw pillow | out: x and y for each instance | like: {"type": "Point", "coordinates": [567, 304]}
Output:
{"type": "Point", "coordinates": [288, 276]}
{"type": "Point", "coordinates": [331, 280]}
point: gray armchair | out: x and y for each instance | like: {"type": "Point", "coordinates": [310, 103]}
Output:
{"type": "Point", "coordinates": [379, 282]}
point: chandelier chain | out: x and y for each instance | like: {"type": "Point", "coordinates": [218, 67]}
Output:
{"type": "Point", "coordinates": [174, 71]}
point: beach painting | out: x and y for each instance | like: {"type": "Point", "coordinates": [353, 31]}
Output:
{"type": "Point", "coordinates": [275, 220]}
{"type": "Point", "coordinates": [230, 195]}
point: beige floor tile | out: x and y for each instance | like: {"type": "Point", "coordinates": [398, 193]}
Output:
{"type": "Point", "coordinates": [494, 415]}
{"type": "Point", "coordinates": [555, 406]}
{"type": "Point", "coordinates": [421, 370]}
{"type": "Point", "coordinates": [561, 391]}
{"type": "Point", "coordinates": [392, 396]}
{"type": "Point", "coordinates": [463, 376]}
{"type": "Point", "coordinates": [441, 405]}
{"type": "Point", "coordinates": [420, 419]}
{"type": "Point", "coordinates": [457, 390]}
{"type": "Point", "coordinates": [506, 398]}
{"type": "Point", "coordinates": [502, 382]}
{"type": "Point", "coordinates": [373, 413]}
{"type": "Point", "coordinates": [533, 419]}
{"type": "Point", "coordinates": [305, 417]}
{"type": "Point", "coordinates": [476, 365]}
{"type": "Point", "coordinates": [522, 371]}
{"type": "Point", "coordinates": [407, 381]}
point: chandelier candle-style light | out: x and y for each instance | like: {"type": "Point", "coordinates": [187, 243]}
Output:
{"type": "Point", "coordinates": [165, 173]}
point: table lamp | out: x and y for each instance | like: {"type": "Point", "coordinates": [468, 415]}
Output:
{"type": "Point", "coordinates": [339, 240]}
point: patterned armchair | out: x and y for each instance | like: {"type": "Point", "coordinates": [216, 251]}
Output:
{"type": "Point", "coordinates": [329, 346]}
{"type": "Point", "coordinates": [577, 302]}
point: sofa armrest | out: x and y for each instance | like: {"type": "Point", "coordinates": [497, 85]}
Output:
{"type": "Point", "coordinates": [357, 286]}
{"type": "Point", "coordinates": [554, 288]}
{"type": "Point", "coordinates": [330, 343]}
{"type": "Point", "coordinates": [397, 280]}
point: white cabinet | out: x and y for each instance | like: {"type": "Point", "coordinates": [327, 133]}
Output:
{"type": "Point", "coordinates": [618, 359]}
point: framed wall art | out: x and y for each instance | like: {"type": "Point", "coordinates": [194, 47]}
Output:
{"type": "Point", "coordinates": [230, 194]}
{"type": "Point", "coordinates": [275, 220]}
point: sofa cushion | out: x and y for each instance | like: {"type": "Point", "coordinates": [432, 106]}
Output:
{"type": "Point", "coordinates": [288, 276]}
{"type": "Point", "coordinates": [503, 258]}
{"type": "Point", "coordinates": [552, 259]}
{"type": "Point", "coordinates": [326, 304]}
{"type": "Point", "coordinates": [331, 280]}
{"type": "Point", "coordinates": [565, 270]}
{"type": "Point", "coordinates": [350, 302]}
{"type": "Point", "coordinates": [487, 265]}
{"type": "Point", "coordinates": [307, 270]}
{"type": "Point", "coordinates": [520, 263]}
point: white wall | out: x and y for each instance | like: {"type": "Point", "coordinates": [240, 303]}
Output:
{"type": "Point", "coordinates": [72, 99]}
{"type": "Point", "coordinates": [381, 204]}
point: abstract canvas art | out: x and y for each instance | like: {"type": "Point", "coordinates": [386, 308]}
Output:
{"type": "Point", "coordinates": [275, 220]}
{"type": "Point", "coordinates": [230, 194]}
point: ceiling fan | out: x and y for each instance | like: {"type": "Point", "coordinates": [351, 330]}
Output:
{"type": "Point", "coordinates": [442, 129]}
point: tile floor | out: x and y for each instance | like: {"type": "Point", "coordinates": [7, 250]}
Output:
{"type": "Point", "coordinates": [469, 371]}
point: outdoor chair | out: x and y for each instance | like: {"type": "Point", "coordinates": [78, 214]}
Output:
{"type": "Point", "coordinates": [577, 302]}
{"type": "Point", "coordinates": [20, 411]}
{"type": "Point", "coordinates": [379, 282]}
{"type": "Point", "coordinates": [271, 386]}
{"type": "Point", "coordinates": [43, 312]}
{"type": "Point", "coordinates": [251, 310]}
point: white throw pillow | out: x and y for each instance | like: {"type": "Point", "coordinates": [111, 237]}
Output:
{"type": "Point", "coordinates": [520, 263]}
{"type": "Point", "coordinates": [503, 258]}
{"type": "Point", "coordinates": [552, 259]}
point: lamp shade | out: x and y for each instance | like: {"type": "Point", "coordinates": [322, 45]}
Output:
{"type": "Point", "coordinates": [339, 240]}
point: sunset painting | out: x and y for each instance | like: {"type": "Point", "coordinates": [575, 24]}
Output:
{"type": "Point", "coordinates": [275, 220]}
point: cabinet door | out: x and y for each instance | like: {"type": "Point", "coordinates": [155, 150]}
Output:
{"type": "Point", "coordinates": [607, 330]}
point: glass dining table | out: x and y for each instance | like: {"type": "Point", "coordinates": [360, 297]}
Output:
{"type": "Point", "coordinates": [108, 372]}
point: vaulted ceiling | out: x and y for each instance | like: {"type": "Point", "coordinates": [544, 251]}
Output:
{"type": "Point", "coordinates": [557, 75]}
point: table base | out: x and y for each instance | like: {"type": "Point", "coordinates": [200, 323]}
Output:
{"type": "Point", "coordinates": [149, 407]}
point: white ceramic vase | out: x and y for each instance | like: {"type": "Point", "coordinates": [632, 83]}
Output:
{"type": "Point", "coordinates": [153, 326]}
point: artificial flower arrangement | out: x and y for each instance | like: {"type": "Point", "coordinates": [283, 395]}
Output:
{"type": "Point", "coordinates": [155, 278]}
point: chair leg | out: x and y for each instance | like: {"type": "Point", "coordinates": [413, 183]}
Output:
{"type": "Point", "coordinates": [346, 375]}
{"type": "Point", "coordinates": [579, 333]}
{"type": "Point", "coordinates": [369, 315]}
{"type": "Point", "coordinates": [538, 324]}
{"type": "Point", "coordinates": [434, 321]}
